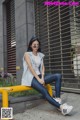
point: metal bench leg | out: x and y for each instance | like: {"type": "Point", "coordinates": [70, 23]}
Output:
{"type": "Point", "coordinates": [49, 88]}
{"type": "Point", "coordinates": [5, 99]}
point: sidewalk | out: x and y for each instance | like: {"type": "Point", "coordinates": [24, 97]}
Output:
{"type": "Point", "coordinates": [45, 111]}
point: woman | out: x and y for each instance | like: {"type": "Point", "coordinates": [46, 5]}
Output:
{"type": "Point", "coordinates": [34, 75]}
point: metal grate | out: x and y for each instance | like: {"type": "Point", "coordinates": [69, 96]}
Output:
{"type": "Point", "coordinates": [58, 29]}
{"type": "Point", "coordinates": [11, 42]}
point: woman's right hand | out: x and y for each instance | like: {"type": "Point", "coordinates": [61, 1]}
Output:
{"type": "Point", "coordinates": [41, 81]}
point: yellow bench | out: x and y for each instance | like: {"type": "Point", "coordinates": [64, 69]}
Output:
{"type": "Point", "coordinates": [5, 90]}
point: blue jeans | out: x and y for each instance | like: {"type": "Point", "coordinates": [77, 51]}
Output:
{"type": "Point", "coordinates": [49, 78]}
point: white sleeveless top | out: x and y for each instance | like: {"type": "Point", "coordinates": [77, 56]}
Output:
{"type": "Point", "coordinates": [37, 62]}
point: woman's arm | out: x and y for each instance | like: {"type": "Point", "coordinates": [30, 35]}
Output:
{"type": "Point", "coordinates": [27, 59]}
{"type": "Point", "coordinates": [43, 71]}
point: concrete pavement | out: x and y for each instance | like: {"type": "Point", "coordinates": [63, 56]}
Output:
{"type": "Point", "coordinates": [45, 111]}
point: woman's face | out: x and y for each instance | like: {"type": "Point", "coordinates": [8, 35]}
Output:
{"type": "Point", "coordinates": [35, 46]}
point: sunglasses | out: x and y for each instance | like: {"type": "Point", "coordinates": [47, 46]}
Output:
{"type": "Point", "coordinates": [36, 46]}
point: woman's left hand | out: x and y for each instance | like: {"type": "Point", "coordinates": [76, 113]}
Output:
{"type": "Point", "coordinates": [43, 79]}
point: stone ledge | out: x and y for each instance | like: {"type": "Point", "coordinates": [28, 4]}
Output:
{"type": "Point", "coordinates": [20, 104]}
{"type": "Point", "coordinates": [24, 98]}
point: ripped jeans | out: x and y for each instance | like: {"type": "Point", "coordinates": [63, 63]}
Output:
{"type": "Point", "coordinates": [49, 78]}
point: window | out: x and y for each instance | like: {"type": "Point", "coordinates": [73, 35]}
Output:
{"type": "Point", "coordinates": [58, 30]}
{"type": "Point", "coordinates": [11, 42]}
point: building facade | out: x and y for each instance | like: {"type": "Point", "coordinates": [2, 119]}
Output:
{"type": "Point", "coordinates": [57, 27]}
{"type": "Point", "coordinates": [16, 29]}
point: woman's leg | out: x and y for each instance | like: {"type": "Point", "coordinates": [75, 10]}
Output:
{"type": "Point", "coordinates": [57, 78]}
{"type": "Point", "coordinates": [39, 87]}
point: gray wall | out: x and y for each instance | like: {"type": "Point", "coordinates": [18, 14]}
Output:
{"type": "Point", "coordinates": [1, 37]}
{"type": "Point", "coordinates": [24, 23]}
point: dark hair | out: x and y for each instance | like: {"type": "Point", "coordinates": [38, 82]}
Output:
{"type": "Point", "coordinates": [30, 43]}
